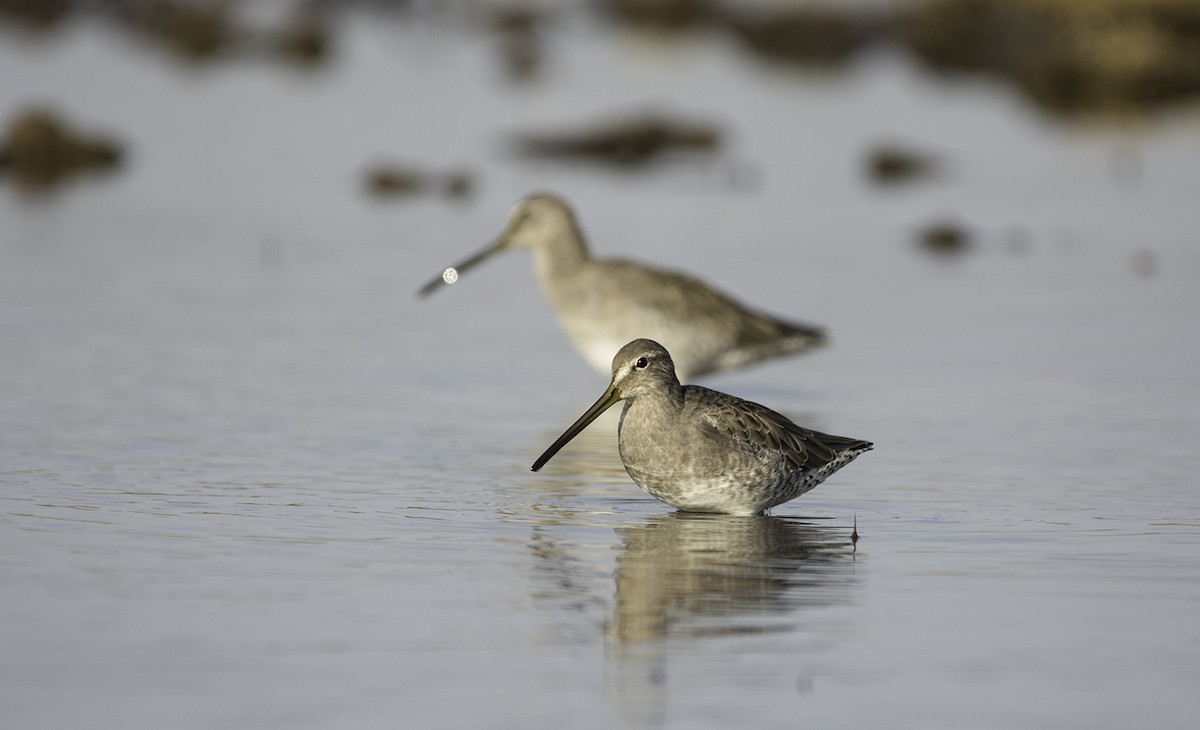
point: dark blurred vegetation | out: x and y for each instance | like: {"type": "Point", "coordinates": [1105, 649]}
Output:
{"type": "Point", "coordinates": [39, 149]}
{"type": "Point", "coordinates": [1076, 58]}
{"type": "Point", "coordinates": [391, 180]}
{"type": "Point", "coordinates": [944, 238]}
{"type": "Point", "coordinates": [191, 30]}
{"type": "Point", "coordinates": [1069, 56]}
{"type": "Point", "coordinates": [893, 164]}
{"type": "Point", "coordinates": [628, 142]}
{"type": "Point", "coordinates": [520, 30]}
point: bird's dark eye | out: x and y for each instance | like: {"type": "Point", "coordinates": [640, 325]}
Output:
{"type": "Point", "coordinates": [641, 363]}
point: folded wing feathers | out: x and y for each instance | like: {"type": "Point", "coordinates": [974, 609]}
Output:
{"type": "Point", "coordinates": [763, 429]}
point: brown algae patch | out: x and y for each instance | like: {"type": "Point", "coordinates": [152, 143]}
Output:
{"type": "Point", "coordinates": [40, 149]}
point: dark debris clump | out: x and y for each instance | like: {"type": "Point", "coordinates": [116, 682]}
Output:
{"type": "Point", "coordinates": [39, 149]}
{"type": "Point", "coordinates": [630, 142]}
{"type": "Point", "coordinates": [390, 180]}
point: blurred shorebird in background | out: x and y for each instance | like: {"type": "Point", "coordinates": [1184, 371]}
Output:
{"type": "Point", "coordinates": [604, 303]}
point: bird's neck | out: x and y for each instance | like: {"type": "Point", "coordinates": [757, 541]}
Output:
{"type": "Point", "coordinates": [560, 255]}
{"type": "Point", "coordinates": [665, 403]}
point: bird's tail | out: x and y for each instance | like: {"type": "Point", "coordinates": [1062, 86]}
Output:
{"type": "Point", "coordinates": [804, 336]}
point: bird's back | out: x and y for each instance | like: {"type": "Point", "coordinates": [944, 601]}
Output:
{"type": "Point", "coordinates": [608, 302]}
{"type": "Point", "coordinates": [769, 434]}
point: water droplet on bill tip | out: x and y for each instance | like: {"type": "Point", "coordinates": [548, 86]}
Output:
{"type": "Point", "coordinates": [450, 275]}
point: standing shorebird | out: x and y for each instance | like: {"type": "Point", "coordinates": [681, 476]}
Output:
{"type": "Point", "coordinates": [699, 450]}
{"type": "Point", "coordinates": [604, 303]}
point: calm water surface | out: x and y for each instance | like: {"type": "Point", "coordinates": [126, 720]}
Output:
{"type": "Point", "coordinates": [248, 480]}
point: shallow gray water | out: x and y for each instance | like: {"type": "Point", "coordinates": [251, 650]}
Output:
{"type": "Point", "coordinates": [249, 480]}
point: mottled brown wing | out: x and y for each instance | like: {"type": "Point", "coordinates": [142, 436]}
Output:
{"type": "Point", "coordinates": [760, 428]}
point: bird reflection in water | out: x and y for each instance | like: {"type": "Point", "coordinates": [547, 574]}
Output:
{"type": "Point", "coordinates": [688, 574]}
{"type": "Point", "coordinates": [681, 580]}
{"type": "Point", "coordinates": [684, 577]}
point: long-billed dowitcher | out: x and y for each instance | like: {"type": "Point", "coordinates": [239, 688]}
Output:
{"type": "Point", "coordinates": [604, 303]}
{"type": "Point", "coordinates": [703, 451]}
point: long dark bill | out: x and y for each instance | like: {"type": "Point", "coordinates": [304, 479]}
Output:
{"type": "Point", "coordinates": [468, 263]}
{"type": "Point", "coordinates": [610, 397]}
